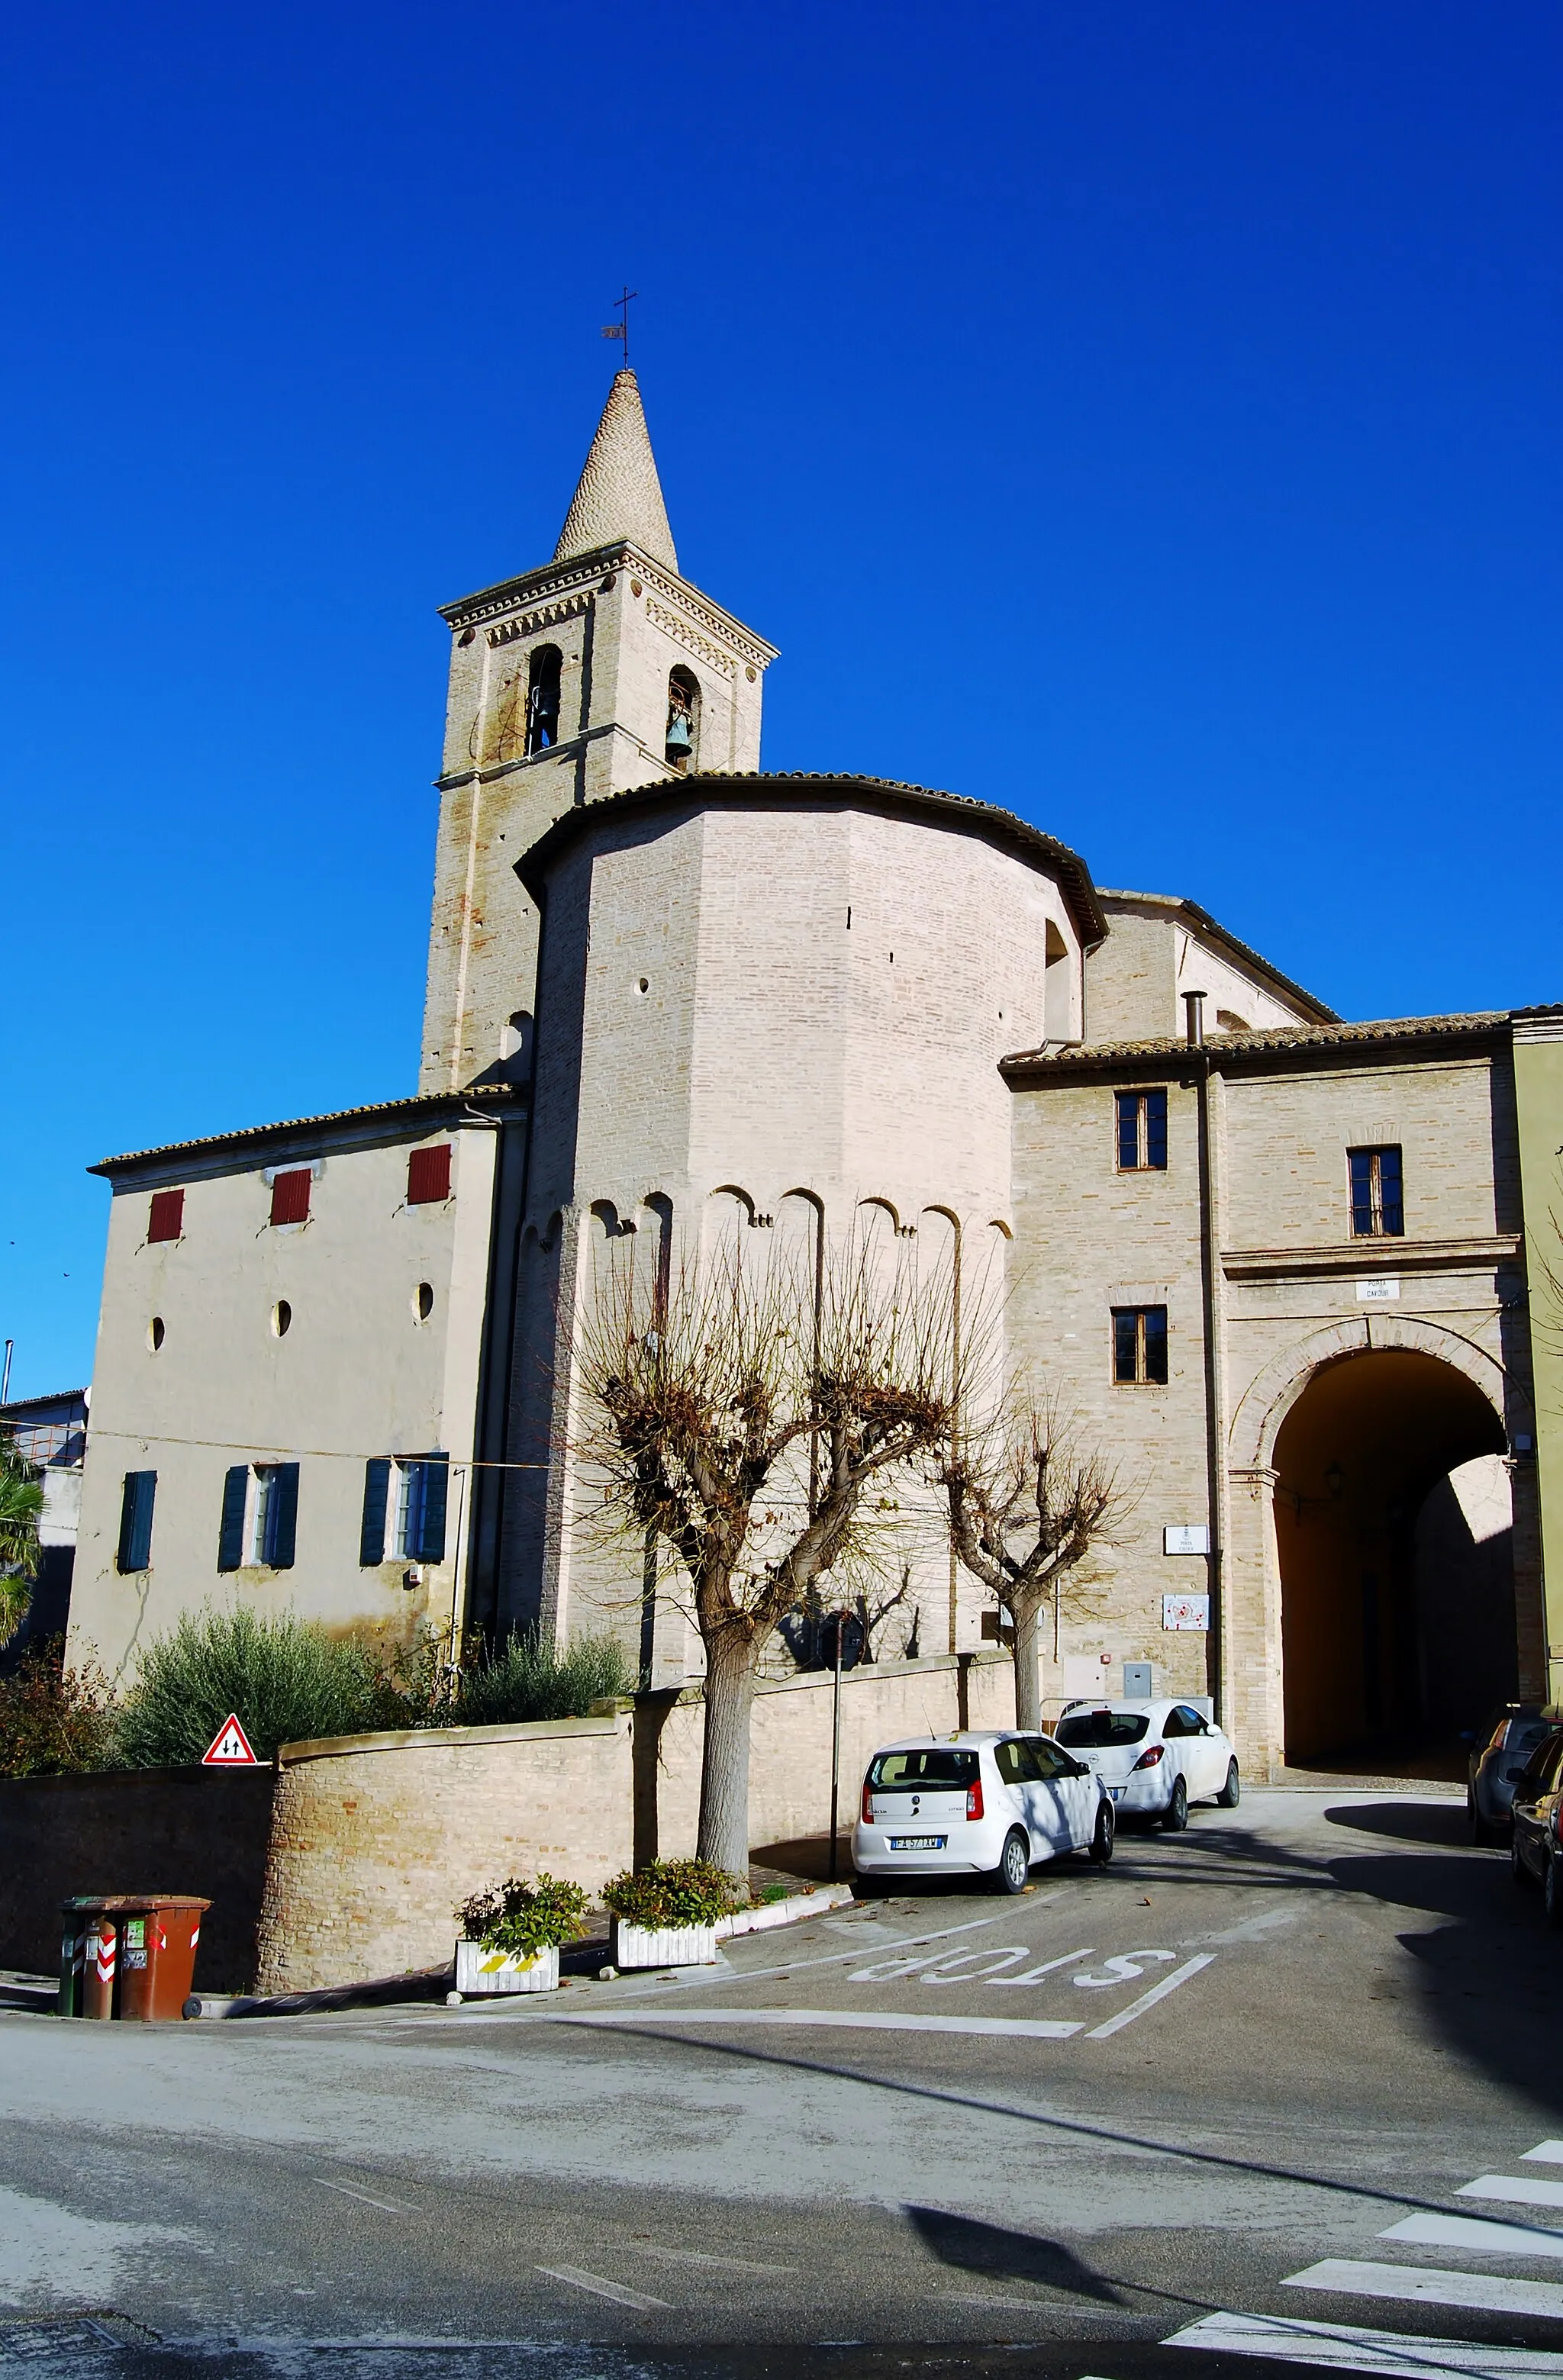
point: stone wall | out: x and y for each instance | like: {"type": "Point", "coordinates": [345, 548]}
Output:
{"type": "Point", "coordinates": [376, 1838]}
{"type": "Point", "coordinates": [198, 1830]}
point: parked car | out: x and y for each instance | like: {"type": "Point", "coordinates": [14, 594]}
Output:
{"type": "Point", "coordinates": [1153, 1757]}
{"type": "Point", "coordinates": [1497, 1764]}
{"type": "Point", "coordinates": [1536, 1842]}
{"type": "Point", "coordinates": [978, 1804]}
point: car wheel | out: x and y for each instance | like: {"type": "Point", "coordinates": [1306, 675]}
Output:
{"type": "Point", "coordinates": [1175, 1817]}
{"type": "Point", "coordinates": [1014, 1867]}
{"type": "Point", "coordinates": [1516, 1866]}
{"type": "Point", "coordinates": [1099, 1847]}
{"type": "Point", "coordinates": [1552, 1891]}
{"type": "Point", "coordinates": [1231, 1793]}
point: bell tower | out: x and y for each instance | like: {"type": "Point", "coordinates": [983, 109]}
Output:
{"type": "Point", "coordinates": [603, 670]}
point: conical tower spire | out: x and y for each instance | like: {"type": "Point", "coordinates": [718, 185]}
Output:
{"type": "Point", "coordinates": [619, 495]}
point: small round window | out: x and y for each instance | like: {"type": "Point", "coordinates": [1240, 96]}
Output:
{"type": "Point", "coordinates": [155, 1334]}
{"type": "Point", "coordinates": [423, 1302]}
{"type": "Point", "coordinates": [281, 1318]}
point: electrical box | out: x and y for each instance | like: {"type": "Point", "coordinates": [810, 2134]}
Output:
{"type": "Point", "coordinates": [1136, 1687]}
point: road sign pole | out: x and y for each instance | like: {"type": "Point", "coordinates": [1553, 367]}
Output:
{"type": "Point", "coordinates": [836, 1743]}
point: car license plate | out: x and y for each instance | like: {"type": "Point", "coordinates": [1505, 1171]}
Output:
{"type": "Point", "coordinates": [1118, 1791]}
{"type": "Point", "coordinates": [917, 1843]}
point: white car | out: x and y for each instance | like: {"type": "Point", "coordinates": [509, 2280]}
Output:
{"type": "Point", "coordinates": [1154, 1759]}
{"type": "Point", "coordinates": [978, 1804]}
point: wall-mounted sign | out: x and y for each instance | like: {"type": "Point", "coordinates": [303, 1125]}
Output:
{"type": "Point", "coordinates": [1379, 1292]}
{"type": "Point", "coordinates": [1185, 1611]}
{"type": "Point", "coordinates": [1186, 1541]}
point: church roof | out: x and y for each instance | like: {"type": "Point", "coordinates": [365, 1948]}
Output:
{"type": "Point", "coordinates": [1211, 929]}
{"type": "Point", "coordinates": [399, 1119]}
{"type": "Point", "coordinates": [710, 787]}
{"type": "Point", "coordinates": [1275, 1041]}
{"type": "Point", "coordinates": [618, 495]}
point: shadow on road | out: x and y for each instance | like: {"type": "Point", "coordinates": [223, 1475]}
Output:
{"type": "Point", "coordinates": [1410, 1822]}
{"type": "Point", "coordinates": [987, 2248]}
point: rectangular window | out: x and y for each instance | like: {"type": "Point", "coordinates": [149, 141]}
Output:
{"type": "Point", "coordinates": [167, 1218]}
{"type": "Point", "coordinates": [1142, 1121]}
{"type": "Point", "coordinates": [428, 1175]}
{"type": "Point", "coordinates": [275, 1526]}
{"type": "Point", "coordinates": [1140, 1346]}
{"type": "Point", "coordinates": [230, 1529]}
{"type": "Point", "coordinates": [1377, 1205]}
{"type": "Point", "coordinates": [290, 1196]}
{"type": "Point", "coordinates": [421, 1483]}
{"type": "Point", "coordinates": [376, 1496]}
{"type": "Point", "coordinates": [135, 1521]}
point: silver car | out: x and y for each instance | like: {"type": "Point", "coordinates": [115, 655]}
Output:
{"type": "Point", "coordinates": [1497, 1762]}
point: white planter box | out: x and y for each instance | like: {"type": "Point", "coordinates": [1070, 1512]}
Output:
{"type": "Point", "coordinates": [481, 1974]}
{"type": "Point", "coordinates": [666, 1945]}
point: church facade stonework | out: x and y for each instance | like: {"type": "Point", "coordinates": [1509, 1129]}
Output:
{"type": "Point", "coordinates": [1288, 1271]}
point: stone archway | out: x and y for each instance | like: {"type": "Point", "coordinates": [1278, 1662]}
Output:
{"type": "Point", "coordinates": [1373, 1454]}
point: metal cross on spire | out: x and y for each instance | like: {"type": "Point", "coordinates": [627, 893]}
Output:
{"type": "Point", "coordinates": [620, 330]}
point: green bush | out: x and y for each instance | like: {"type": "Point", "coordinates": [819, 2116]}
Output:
{"type": "Point", "coordinates": [285, 1677]}
{"type": "Point", "coordinates": [54, 1721]}
{"type": "Point", "coordinates": [526, 1678]}
{"type": "Point", "coordinates": [519, 1918]}
{"type": "Point", "coordinates": [675, 1892]}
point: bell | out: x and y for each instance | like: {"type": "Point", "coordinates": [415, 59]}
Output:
{"type": "Point", "coordinates": [679, 740]}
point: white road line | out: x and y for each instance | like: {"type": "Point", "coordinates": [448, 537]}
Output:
{"type": "Point", "coordinates": [576, 2280]}
{"type": "Point", "coordinates": [694, 2256]}
{"type": "Point", "coordinates": [1341, 2346]}
{"type": "Point", "coordinates": [854, 2019]}
{"type": "Point", "coordinates": [1148, 2000]}
{"type": "Point", "coordinates": [1011, 2306]}
{"type": "Point", "coordinates": [1412, 2285]}
{"type": "Point", "coordinates": [1515, 2189]}
{"type": "Point", "coordinates": [1545, 2153]}
{"type": "Point", "coordinates": [387, 2205]}
{"type": "Point", "coordinates": [1471, 2231]}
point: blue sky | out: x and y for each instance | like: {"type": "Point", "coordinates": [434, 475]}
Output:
{"type": "Point", "coordinates": [1142, 416]}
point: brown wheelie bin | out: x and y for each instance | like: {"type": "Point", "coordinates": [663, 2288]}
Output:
{"type": "Point", "coordinates": [158, 1938]}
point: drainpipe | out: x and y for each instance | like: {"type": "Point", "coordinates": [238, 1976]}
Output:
{"type": "Point", "coordinates": [1193, 1004]}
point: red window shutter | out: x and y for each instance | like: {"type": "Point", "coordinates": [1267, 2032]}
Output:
{"type": "Point", "coordinates": [167, 1215]}
{"type": "Point", "coordinates": [428, 1175]}
{"type": "Point", "coordinates": [290, 1196]}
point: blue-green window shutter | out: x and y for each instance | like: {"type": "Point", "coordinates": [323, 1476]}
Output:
{"type": "Point", "coordinates": [431, 1534]}
{"type": "Point", "coordinates": [283, 1517]}
{"type": "Point", "coordinates": [135, 1520]}
{"type": "Point", "coordinates": [230, 1534]}
{"type": "Point", "coordinates": [376, 1488]}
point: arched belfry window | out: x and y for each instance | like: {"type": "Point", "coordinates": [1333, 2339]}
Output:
{"type": "Point", "coordinates": [683, 719]}
{"type": "Point", "coordinates": [542, 698]}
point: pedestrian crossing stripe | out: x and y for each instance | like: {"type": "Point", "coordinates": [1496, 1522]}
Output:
{"type": "Point", "coordinates": [1424, 2285]}
{"type": "Point", "coordinates": [1344, 2347]}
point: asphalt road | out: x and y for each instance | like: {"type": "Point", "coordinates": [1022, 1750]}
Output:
{"type": "Point", "coordinates": [1290, 2068]}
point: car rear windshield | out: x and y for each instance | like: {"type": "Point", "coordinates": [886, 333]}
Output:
{"type": "Point", "coordinates": [1098, 1728]}
{"type": "Point", "coordinates": [913, 1772]}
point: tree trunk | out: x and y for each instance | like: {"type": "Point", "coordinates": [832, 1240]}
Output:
{"type": "Point", "coordinates": [1026, 1612]}
{"type": "Point", "coordinates": [724, 1775]}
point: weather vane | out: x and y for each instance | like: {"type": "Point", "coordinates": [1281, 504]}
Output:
{"type": "Point", "coordinates": [620, 330]}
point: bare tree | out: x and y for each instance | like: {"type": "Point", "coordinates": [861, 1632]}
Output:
{"type": "Point", "coordinates": [753, 1414]}
{"type": "Point", "coordinates": [1028, 1500]}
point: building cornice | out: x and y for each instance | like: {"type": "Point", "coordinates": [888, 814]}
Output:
{"type": "Point", "coordinates": [709, 789]}
{"type": "Point", "coordinates": [1378, 1256]}
{"type": "Point", "coordinates": [389, 1120]}
{"type": "Point", "coordinates": [548, 592]}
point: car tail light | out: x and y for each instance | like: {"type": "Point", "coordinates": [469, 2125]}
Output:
{"type": "Point", "coordinates": [868, 1802]}
{"type": "Point", "coordinates": [974, 1800]}
{"type": "Point", "coordinates": [1150, 1759]}
{"type": "Point", "coordinates": [1500, 1735]}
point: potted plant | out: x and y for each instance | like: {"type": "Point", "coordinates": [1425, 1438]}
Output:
{"type": "Point", "coordinates": [510, 1937]}
{"type": "Point", "coordinates": [665, 1914]}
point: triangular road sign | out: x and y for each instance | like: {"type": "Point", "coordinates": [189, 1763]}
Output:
{"type": "Point", "coordinates": [229, 1747]}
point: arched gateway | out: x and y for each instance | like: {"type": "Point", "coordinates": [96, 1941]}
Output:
{"type": "Point", "coordinates": [1373, 1454]}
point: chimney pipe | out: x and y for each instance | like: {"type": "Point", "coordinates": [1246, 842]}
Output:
{"type": "Point", "coordinates": [1193, 1005]}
